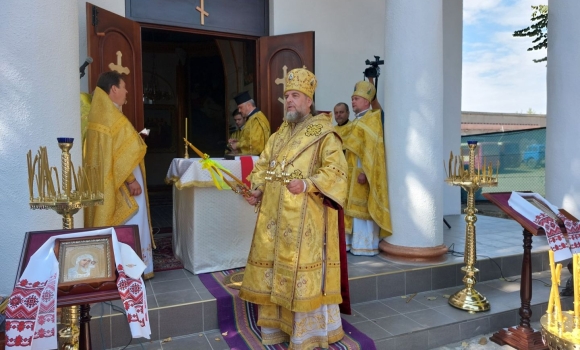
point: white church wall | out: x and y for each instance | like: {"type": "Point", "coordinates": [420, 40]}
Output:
{"type": "Point", "coordinates": [39, 101]}
{"type": "Point", "coordinates": [346, 34]}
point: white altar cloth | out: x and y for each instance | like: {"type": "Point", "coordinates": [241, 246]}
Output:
{"type": "Point", "coordinates": [212, 229]}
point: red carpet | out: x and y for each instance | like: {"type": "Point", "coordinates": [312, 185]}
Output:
{"type": "Point", "coordinates": [163, 258]}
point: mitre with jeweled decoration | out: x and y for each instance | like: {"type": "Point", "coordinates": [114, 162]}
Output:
{"type": "Point", "coordinates": [302, 80]}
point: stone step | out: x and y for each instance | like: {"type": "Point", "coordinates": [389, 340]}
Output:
{"type": "Point", "coordinates": [180, 317]}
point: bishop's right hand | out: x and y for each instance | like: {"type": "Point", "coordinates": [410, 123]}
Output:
{"type": "Point", "coordinates": [254, 198]}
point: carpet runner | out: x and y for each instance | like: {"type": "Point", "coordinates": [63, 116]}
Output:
{"type": "Point", "coordinates": [163, 258]}
{"type": "Point", "coordinates": [237, 319]}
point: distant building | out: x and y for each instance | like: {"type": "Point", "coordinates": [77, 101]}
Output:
{"type": "Point", "coordinates": [483, 122]}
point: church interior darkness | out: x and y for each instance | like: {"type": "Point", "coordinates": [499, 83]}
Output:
{"type": "Point", "coordinates": [193, 76]}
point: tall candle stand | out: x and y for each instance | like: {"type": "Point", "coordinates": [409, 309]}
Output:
{"type": "Point", "coordinates": [186, 152]}
{"type": "Point", "coordinates": [65, 201]}
{"type": "Point", "coordinates": [470, 180]}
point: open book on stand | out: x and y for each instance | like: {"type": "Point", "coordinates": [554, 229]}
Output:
{"type": "Point", "coordinates": [563, 234]}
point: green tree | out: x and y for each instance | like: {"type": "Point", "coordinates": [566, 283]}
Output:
{"type": "Point", "coordinates": [538, 30]}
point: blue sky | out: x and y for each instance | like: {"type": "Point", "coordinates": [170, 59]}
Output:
{"type": "Point", "coordinates": [498, 72]}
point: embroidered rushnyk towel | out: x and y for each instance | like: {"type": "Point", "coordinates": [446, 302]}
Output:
{"type": "Point", "coordinates": [538, 210]}
{"type": "Point", "coordinates": [31, 310]}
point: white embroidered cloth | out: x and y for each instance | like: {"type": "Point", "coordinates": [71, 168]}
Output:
{"type": "Point", "coordinates": [556, 238]}
{"type": "Point", "coordinates": [31, 311]}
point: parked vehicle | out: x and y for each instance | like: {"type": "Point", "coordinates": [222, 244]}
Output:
{"type": "Point", "coordinates": [506, 154]}
{"type": "Point", "coordinates": [534, 155]}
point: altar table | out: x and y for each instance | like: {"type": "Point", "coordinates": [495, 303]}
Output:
{"type": "Point", "coordinates": [212, 229]}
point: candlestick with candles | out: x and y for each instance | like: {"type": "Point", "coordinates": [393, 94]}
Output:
{"type": "Point", "coordinates": [561, 329]}
{"type": "Point", "coordinates": [471, 180]}
{"type": "Point", "coordinates": [65, 200]}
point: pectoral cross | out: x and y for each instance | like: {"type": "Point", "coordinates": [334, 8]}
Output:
{"type": "Point", "coordinates": [119, 66]}
{"type": "Point", "coordinates": [202, 13]}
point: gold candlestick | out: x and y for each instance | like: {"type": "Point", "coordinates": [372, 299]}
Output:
{"type": "Point", "coordinates": [468, 298]}
{"type": "Point", "coordinates": [66, 203]}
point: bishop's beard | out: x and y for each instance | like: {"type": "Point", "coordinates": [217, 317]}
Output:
{"type": "Point", "coordinates": [294, 117]}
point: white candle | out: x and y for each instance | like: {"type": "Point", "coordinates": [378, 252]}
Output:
{"type": "Point", "coordinates": [186, 128]}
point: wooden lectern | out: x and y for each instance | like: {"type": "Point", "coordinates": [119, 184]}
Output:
{"type": "Point", "coordinates": [522, 336]}
{"type": "Point", "coordinates": [80, 294]}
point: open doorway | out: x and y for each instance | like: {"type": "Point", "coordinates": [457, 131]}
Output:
{"type": "Point", "coordinates": [193, 76]}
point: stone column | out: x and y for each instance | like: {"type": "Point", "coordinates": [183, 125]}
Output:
{"type": "Point", "coordinates": [562, 123]}
{"type": "Point", "coordinates": [452, 64]}
{"type": "Point", "coordinates": [39, 89]}
{"type": "Point", "coordinates": [414, 129]}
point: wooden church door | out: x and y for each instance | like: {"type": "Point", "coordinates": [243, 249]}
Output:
{"type": "Point", "coordinates": [277, 55]}
{"type": "Point", "coordinates": [114, 43]}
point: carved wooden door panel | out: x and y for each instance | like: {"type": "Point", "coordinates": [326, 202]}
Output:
{"type": "Point", "coordinates": [277, 55]}
{"type": "Point", "coordinates": [114, 43]}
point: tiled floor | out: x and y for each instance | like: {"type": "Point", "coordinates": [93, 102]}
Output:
{"type": "Point", "coordinates": [400, 306]}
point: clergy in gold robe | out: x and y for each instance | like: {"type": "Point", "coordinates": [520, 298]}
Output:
{"type": "Point", "coordinates": [256, 130]}
{"type": "Point", "coordinates": [239, 121]}
{"type": "Point", "coordinates": [293, 269]}
{"type": "Point", "coordinates": [341, 117]}
{"type": "Point", "coordinates": [114, 145]}
{"type": "Point", "coordinates": [367, 211]}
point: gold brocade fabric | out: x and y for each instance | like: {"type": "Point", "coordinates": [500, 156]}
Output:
{"type": "Point", "coordinates": [368, 201]}
{"type": "Point", "coordinates": [85, 109]}
{"type": "Point", "coordinates": [343, 130]}
{"type": "Point", "coordinates": [236, 134]}
{"type": "Point", "coordinates": [312, 329]}
{"type": "Point", "coordinates": [254, 135]}
{"type": "Point", "coordinates": [289, 264]}
{"type": "Point", "coordinates": [112, 142]}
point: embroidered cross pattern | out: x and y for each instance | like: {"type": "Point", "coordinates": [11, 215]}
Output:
{"type": "Point", "coordinates": [556, 238]}
{"type": "Point", "coordinates": [131, 292]}
{"type": "Point", "coordinates": [573, 230]}
{"type": "Point", "coordinates": [314, 130]}
{"type": "Point", "coordinates": [30, 312]}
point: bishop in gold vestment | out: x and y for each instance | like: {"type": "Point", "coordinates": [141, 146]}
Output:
{"type": "Point", "coordinates": [112, 142]}
{"type": "Point", "coordinates": [293, 269]}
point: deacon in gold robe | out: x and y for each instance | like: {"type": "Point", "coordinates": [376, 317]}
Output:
{"type": "Point", "coordinates": [239, 121]}
{"type": "Point", "coordinates": [256, 131]}
{"type": "Point", "coordinates": [367, 213]}
{"type": "Point", "coordinates": [293, 269]}
{"type": "Point", "coordinates": [113, 143]}
{"type": "Point", "coordinates": [341, 117]}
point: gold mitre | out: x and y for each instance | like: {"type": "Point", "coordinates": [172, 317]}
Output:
{"type": "Point", "coordinates": [302, 80]}
{"type": "Point", "coordinates": [365, 90]}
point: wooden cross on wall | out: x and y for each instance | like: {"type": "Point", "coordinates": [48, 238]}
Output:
{"type": "Point", "coordinates": [202, 12]}
{"type": "Point", "coordinates": [282, 81]}
{"type": "Point", "coordinates": [119, 66]}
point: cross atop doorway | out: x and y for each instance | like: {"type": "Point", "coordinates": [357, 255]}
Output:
{"type": "Point", "coordinates": [202, 12]}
